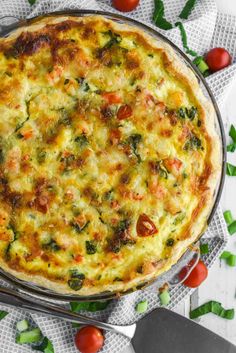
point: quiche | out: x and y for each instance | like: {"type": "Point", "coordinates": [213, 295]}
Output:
{"type": "Point", "coordinates": [109, 156]}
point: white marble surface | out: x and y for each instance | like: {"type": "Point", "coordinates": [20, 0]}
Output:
{"type": "Point", "coordinates": [221, 282]}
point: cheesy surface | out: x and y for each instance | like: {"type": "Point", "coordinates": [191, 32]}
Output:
{"type": "Point", "coordinates": [106, 156]}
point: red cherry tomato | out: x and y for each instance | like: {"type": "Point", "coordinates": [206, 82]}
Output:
{"type": "Point", "coordinates": [125, 5]}
{"type": "Point", "coordinates": [124, 112]}
{"type": "Point", "coordinates": [217, 59]}
{"type": "Point", "coordinates": [145, 226]}
{"type": "Point", "coordinates": [196, 277]}
{"type": "Point", "coordinates": [89, 339]}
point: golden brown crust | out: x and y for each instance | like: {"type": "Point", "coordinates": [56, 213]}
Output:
{"type": "Point", "coordinates": [28, 43]}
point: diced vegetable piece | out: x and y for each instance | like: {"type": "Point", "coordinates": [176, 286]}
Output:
{"type": "Point", "coordinates": [142, 306]}
{"type": "Point", "coordinates": [228, 217]}
{"type": "Point", "coordinates": [225, 255]}
{"type": "Point", "coordinates": [3, 314]}
{"type": "Point", "coordinates": [184, 39]}
{"type": "Point", "coordinates": [91, 247]}
{"type": "Point", "coordinates": [46, 346]}
{"type": "Point", "coordinates": [188, 7]}
{"type": "Point", "coordinates": [164, 297]}
{"type": "Point", "coordinates": [31, 336]}
{"type": "Point", "coordinates": [231, 260]}
{"type": "Point", "coordinates": [230, 169]}
{"type": "Point", "coordinates": [22, 325]}
{"type": "Point", "coordinates": [204, 249]}
{"type": "Point", "coordinates": [212, 307]}
{"type": "Point", "coordinates": [32, 2]}
{"type": "Point", "coordinates": [89, 306]}
{"type": "Point", "coordinates": [232, 228]}
{"type": "Point", "coordinates": [231, 147]}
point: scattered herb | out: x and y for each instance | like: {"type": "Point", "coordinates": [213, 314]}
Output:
{"type": "Point", "coordinates": [232, 228]}
{"type": "Point", "coordinates": [3, 314]}
{"type": "Point", "coordinates": [184, 39]}
{"type": "Point", "coordinates": [228, 217]}
{"type": "Point", "coordinates": [204, 249]}
{"type": "Point", "coordinates": [164, 297]}
{"type": "Point", "coordinates": [158, 16]}
{"type": "Point", "coordinates": [81, 140]}
{"type": "Point", "coordinates": [189, 113]}
{"type": "Point", "coordinates": [32, 2]}
{"type": "Point", "coordinates": [133, 141]}
{"type": "Point", "coordinates": [141, 307]}
{"type": "Point", "coordinates": [170, 242]}
{"type": "Point", "coordinates": [76, 281]}
{"type": "Point", "coordinates": [89, 306]}
{"type": "Point", "coordinates": [232, 133]}
{"type": "Point", "coordinates": [114, 39]}
{"type": "Point", "coordinates": [230, 169]}
{"type": "Point", "coordinates": [79, 228]}
{"type": "Point", "coordinates": [91, 247]}
{"type": "Point", "coordinates": [1, 156]}
{"type": "Point", "coordinates": [212, 307]}
{"type": "Point", "coordinates": [66, 81]}
{"type": "Point", "coordinates": [193, 143]}
{"type": "Point", "coordinates": [179, 218]}
{"type": "Point", "coordinates": [41, 156]}
{"type": "Point", "coordinates": [31, 336]}
{"type": "Point", "coordinates": [46, 346]}
{"type": "Point", "coordinates": [231, 147]}
{"type": "Point", "coordinates": [187, 9]}
{"type": "Point", "coordinates": [52, 246]}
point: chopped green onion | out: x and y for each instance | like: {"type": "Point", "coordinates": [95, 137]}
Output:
{"type": "Point", "coordinates": [204, 249]}
{"type": "Point", "coordinates": [184, 39]}
{"type": "Point", "coordinates": [22, 325]}
{"type": "Point", "coordinates": [89, 306]}
{"type": "Point", "coordinates": [232, 133]}
{"type": "Point", "coordinates": [230, 169]}
{"type": "Point", "coordinates": [228, 217]}
{"type": "Point", "coordinates": [141, 307]}
{"type": "Point", "coordinates": [225, 255]}
{"type": "Point", "coordinates": [201, 64]}
{"type": "Point", "coordinates": [231, 147]}
{"type": "Point", "coordinates": [32, 2]}
{"type": "Point", "coordinates": [158, 16]}
{"type": "Point", "coordinates": [164, 297]}
{"type": "Point", "coordinates": [3, 314]}
{"type": "Point", "coordinates": [212, 307]}
{"type": "Point", "coordinates": [231, 260]}
{"type": "Point", "coordinates": [187, 9]}
{"type": "Point", "coordinates": [232, 228]}
{"type": "Point", "coordinates": [46, 346]}
{"type": "Point", "coordinates": [31, 336]}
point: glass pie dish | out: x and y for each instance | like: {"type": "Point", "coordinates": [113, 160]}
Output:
{"type": "Point", "coordinates": [33, 289]}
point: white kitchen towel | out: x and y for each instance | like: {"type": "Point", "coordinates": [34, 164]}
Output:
{"type": "Point", "coordinates": [205, 29]}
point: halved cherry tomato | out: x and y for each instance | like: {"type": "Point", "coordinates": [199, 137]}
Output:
{"type": "Point", "coordinates": [89, 339]}
{"type": "Point", "coordinates": [145, 226]}
{"type": "Point", "coordinates": [124, 112]}
{"type": "Point", "coordinates": [112, 97]}
{"type": "Point", "coordinates": [125, 5]}
{"type": "Point", "coordinates": [217, 59]}
{"type": "Point", "coordinates": [196, 277]}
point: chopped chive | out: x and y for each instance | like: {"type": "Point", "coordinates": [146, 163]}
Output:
{"type": "Point", "coordinates": [231, 147]}
{"type": "Point", "coordinates": [184, 39]}
{"type": "Point", "coordinates": [212, 307]}
{"type": "Point", "coordinates": [46, 346]}
{"type": "Point", "coordinates": [141, 307]}
{"type": "Point", "coordinates": [232, 133]}
{"type": "Point", "coordinates": [204, 249]}
{"type": "Point", "coordinates": [164, 297]}
{"type": "Point", "coordinates": [228, 217]}
{"type": "Point", "coordinates": [22, 325]}
{"type": "Point", "coordinates": [3, 314]}
{"type": "Point", "coordinates": [188, 7]}
{"type": "Point", "coordinates": [225, 255]}
{"type": "Point", "coordinates": [231, 260]}
{"type": "Point", "coordinates": [232, 228]}
{"type": "Point", "coordinates": [158, 16]}
{"type": "Point", "coordinates": [230, 169]}
{"type": "Point", "coordinates": [31, 336]}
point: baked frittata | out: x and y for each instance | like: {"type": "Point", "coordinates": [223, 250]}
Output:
{"type": "Point", "coordinates": [109, 157]}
